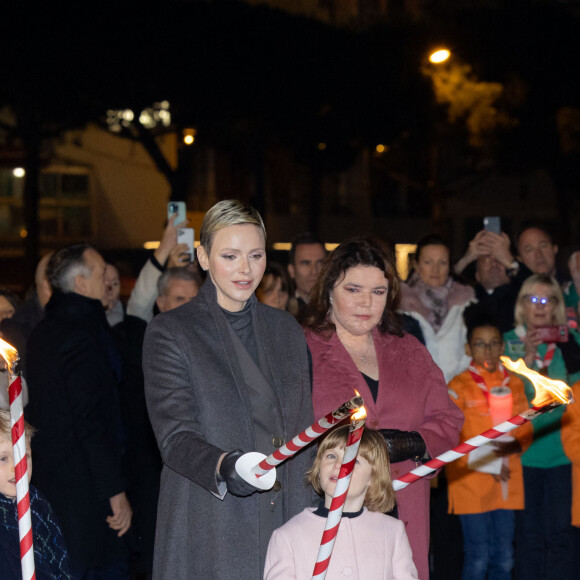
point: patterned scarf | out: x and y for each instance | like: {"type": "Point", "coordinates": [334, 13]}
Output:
{"type": "Point", "coordinates": [50, 554]}
{"type": "Point", "coordinates": [434, 298]}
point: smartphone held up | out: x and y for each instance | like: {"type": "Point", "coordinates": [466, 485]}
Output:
{"type": "Point", "coordinates": [177, 208]}
{"type": "Point", "coordinates": [556, 333]}
{"type": "Point", "coordinates": [186, 236]}
{"type": "Point", "coordinates": [492, 224]}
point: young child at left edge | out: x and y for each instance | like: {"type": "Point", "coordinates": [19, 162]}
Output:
{"type": "Point", "coordinates": [50, 554]}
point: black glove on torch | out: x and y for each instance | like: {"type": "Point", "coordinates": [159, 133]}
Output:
{"type": "Point", "coordinates": [236, 484]}
{"type": "Point", "coordinates": [404, 445]}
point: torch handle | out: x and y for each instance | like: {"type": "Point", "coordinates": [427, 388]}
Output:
{"type": "Point", "coordinates": [469, 445]}
{"type": "Point", "coordinates": [21, 476]}
{"type": "Point", "coordinates": [308, 435]}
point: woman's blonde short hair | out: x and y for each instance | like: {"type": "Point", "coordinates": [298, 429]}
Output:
{"type": "Point", "coordinates": [380, 496]}
{"type": "Point", "coordinates": [229, 212]}
{"type": "Point", "coordinates": [6, 427]}
{"type": "Point", "coordinates": [527, 290]}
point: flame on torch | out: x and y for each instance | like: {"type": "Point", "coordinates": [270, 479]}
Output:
{"type": "Point", "coordinates": [359, 414]}
{"type": "Point", "coordinates": [547, 390]}
{"type": "Point", "coordinates": [8, 353]}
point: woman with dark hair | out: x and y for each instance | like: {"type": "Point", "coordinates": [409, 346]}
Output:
{"type": "Point", "coordinates": [8, 303]}
{"type": "Point", "coordinates": [437, 302]}
{"type": "Point", "coordinates": [273, 290]}
{"type": "Point", "coordinates": [356, 342]}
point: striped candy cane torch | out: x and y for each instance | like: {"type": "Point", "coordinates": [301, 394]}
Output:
{"type": "Point", "coordinates": [260, 470]}
{"type": "Point", "coordinates": [550, 394]}
{"type": "Point", "coordinates": [10, 355]}
{"type": "Point", "coordinates": [357, 424]}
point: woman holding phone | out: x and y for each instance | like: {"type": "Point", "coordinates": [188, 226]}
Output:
{"type": "Point", "coordinates": [224, 375]}
{"type": "Point", "coordinates": [544, 548]}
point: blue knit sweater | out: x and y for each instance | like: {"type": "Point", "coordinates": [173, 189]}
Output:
{"type": "Point", "coordinates": [50, 553]}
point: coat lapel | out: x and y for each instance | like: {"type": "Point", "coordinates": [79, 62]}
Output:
{"type": "Point", "coordinates": [346, 372]}
{"type": "Point", "coordinates": [208, 297]}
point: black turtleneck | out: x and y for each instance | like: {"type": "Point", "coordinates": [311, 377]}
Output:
{"type": "Point", "coordinates": [241, 323]}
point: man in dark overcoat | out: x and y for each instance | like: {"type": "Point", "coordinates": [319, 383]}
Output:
{"type": "Point", "coordinates": [73, 369]}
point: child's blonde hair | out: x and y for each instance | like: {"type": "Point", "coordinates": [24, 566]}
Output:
{"type": "Point", "coordinates": [6, 429]}
{"type": "Point", "coordinates": [380, 496]}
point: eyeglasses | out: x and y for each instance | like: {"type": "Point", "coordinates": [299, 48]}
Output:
{"type": "Point", "coordinates": [493, 345]}
{"type": "Point", "coordinates": [541, 299]}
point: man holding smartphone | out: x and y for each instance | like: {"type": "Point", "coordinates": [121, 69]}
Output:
{"type": "Point", "coordinates": [536, 254]}
{"type": "Point", "coordinates": [142, 300]}
{"type": "Point", "coordinates": [498, 280]}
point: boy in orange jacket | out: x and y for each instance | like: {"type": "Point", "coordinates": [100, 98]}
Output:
{"type": "Point", "coordinates": [485, 486]}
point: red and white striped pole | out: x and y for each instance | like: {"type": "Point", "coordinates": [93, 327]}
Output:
{"type": "Point", "coordinates": [469, 445]}
{"type": "Point", "coordinates": [10, 354]}
{"type": "Point", "coordinates": [555, 392]}
{"type": "Point", "coordinates": [340, 491]}
{"type": "Point", "coordinates": [307, 436]}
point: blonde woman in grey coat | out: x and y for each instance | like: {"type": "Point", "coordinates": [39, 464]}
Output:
{"type": "Point", "coordinates": [225, 375]}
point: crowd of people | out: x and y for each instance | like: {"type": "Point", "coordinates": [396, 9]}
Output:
{"type": "Point", "coordinates": [142, 410]}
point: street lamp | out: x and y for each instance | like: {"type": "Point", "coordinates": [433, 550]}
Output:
{"type": "Point", "coordinates": [439, 56]}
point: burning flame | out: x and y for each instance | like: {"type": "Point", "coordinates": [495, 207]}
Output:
{"type": "Point", "coordinates": [8, 353]}
{"type": "Point", "coordinates": [547, 390]}
{"type": "Point", "coordinates": [359, 414]}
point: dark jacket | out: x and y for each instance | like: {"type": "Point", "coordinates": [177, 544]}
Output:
{"type": "Point", "coordinates": [72, 370]}
{"type": "Point", "coordinates": [51, 560]}
{"type": "Point", "coordinates": [142, 458]}
{"type": "Point", "coordinates": [199, 408]}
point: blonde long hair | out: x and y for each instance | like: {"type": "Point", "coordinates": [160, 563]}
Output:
{"type": "Point", "coordinates": [380, 496]}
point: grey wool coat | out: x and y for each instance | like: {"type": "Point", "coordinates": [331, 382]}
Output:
{"type": "Point", "coordinates": [198, 408]}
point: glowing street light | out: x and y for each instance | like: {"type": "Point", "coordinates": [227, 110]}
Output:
{"type": "Point", "coordinates": [189, 136]}
{"type": "Point", "coordinates": [439, 56]}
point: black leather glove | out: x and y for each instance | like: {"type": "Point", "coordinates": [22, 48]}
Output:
{"type": "Point", "coordinates": [404, 445]}
{"type": "Point", "coordinates": [236, 484]}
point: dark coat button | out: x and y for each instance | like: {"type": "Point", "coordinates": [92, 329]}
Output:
{"type": "Point", "coordinates": [277, 441]}
{"type": "Point", "coordinates": [277, 486]}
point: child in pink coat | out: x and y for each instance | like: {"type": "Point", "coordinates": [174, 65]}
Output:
{"type": "Point", "coordinates": [369, 544]}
